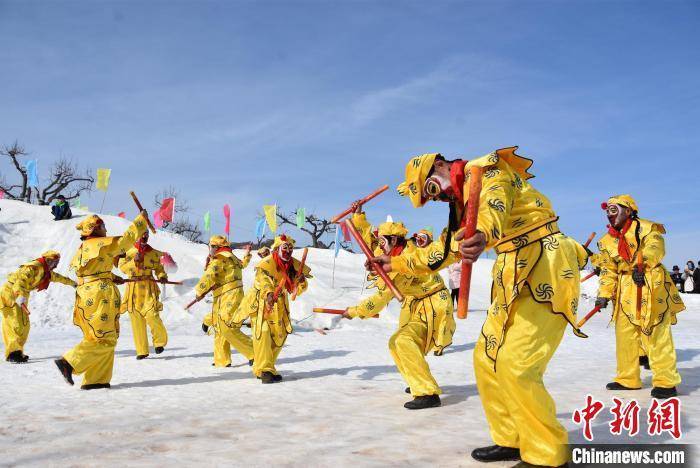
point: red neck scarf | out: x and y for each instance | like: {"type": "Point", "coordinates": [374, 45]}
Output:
{"type": "Point", "coordinates": [398, 248]}
{"type": "Point", "coordinates": [623, 249]}
{"type": "Point", "coordinates": [142, 247]}
{"type": "Point", "coordinates": [287, 269]}
{"type": "Point", "coordinates": [46, 278]}
{"type": "Point", "coordinates": [457, 179]}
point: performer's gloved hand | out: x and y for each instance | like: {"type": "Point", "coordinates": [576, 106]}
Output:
{"type": "Point", "coordinates": [347, 315]}
{"type": "Point", "coordinates": [602, 302]}
{"type": "Point", "coordinates": [270, 300]}
{"type": "Point", "coordinates": [163, 280]}
{"type": "Point", "coordinates": [637, 276]}
{"type": "Point", "coordinates": [597, 270]}
{"type": "Point", "coordinates": [118, 280]}
{"type": "Point", "coordinates": [383, 261]}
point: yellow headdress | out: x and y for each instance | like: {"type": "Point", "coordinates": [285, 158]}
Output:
{"type": "Point", "coordinates": [88, 225]}
{"type": "Point", "coordinates": [218, 241]}
{"type": "Point", "coordinates": [282, 239]}
{"type": "Point", "coordinates": [51, 254]}
{"type": "Point", "coordinates": [622, 200]}
{"type": "Point", "coordinates": [392, 229]}
{"type": "Point", "coordinates": [417, 171]}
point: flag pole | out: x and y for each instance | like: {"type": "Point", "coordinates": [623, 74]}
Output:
{"type": "Point", "coordinates": [103, 199]}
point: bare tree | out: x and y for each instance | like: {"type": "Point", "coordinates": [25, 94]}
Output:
{"type": "Point", "coordinates": [65, 179]}
{"type": "Point", "coordinates": [182, 225]}
{"type": "Point", "coordinates": [318, 226]}
{"type": "Point", "coordinates": [20, 191]}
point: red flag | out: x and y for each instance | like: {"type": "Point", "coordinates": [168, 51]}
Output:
{"type": "Point", "coordinates": [168, 263]}
{"type": "Point", "coordinates": [167, 209]}
{"type": "Point", "coordinates": [346, 232]}
{"type": "Point", "coordinates": [227, 216]}
{"type": "Point", "coordinates": [122, 215]}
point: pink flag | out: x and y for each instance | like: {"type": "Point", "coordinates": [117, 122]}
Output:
{"type": "Point", "coordinates": [167, 209]}
{"type": "Point", "coordinates": [2, 194]}
{"type": "Point", "coordinates": [157, 219]}
{"type": "Point", "coordinates": [346, 232]}
{"type": "Point", "coordinates": [168, 263]}
{"type": "Point", "coordinates": [122, 215]}
{"type": "Point", "coordinates": [227, 216]}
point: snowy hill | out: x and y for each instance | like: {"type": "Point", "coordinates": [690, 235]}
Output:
{"type": "Point", "coordinates": [27, 230]}
{"type": "Point", "coordinates": [341, 400]}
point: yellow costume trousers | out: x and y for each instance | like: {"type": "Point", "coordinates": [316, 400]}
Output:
{"type": "Point", "coordinates": [93, 358]}
{"type": "Point", "coordinates": [227, 336]}
{"type": "Point", "coordinates": [406, 346]}
{"type": "Point", "coordinates": [15, 329]}
{"type": "Point", "coordinates": [159, 334]}
{"type": "Point", "coordinates": [660, 350]}
{"type": "Point", "coordinates": [265, 350]}
{"type": "Point", "coordinates": [520, 412]}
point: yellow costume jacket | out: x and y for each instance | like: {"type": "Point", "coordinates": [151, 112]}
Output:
{"type": "Point", "coordinates": [659, 294]}
{"type": "Point", "coordinates": [142, 296]}
{"type": "Point", "coordinates": [267, 277]}
{"type": "Point", "coordinates": [224, 277]}
{"type": "Point", "coordinates": [98, 301]}
{"type": "Point", "coordinates": [26, 279]}
{"type": "Point", "coordinates": [520, 224]}
{"type": "Point", "coordinates": [419, 293]}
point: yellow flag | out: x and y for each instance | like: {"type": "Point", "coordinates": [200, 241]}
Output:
{"type": "Point", "coordinates": [271, 216]}
{"type": "Point", "coordinates": [103, 179]}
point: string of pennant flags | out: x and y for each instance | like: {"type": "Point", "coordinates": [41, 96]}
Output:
{"type": "Point", "coordinates": [166, 212]}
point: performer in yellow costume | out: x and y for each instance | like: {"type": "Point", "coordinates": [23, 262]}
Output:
{"type": "Point", "coordinates": [97, 301]}
{"type": "Point", "coordinates": [223, 276]}
{"type": "Point", "coordinates": [629, 237]}
{"type": "Point", "coordinates": [426, 321]}
{"type": "Point", "coordinates": [534, 295]}
{"type": "Point", "coordinates": [270, 319]}
{"type": "Point", "coordinates": [36, 275]}
{"type": "Point", "coordinates": [142, 297]}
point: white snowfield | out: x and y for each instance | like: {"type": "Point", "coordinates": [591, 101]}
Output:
{"type": "Point", "coordinates": [341, 401]}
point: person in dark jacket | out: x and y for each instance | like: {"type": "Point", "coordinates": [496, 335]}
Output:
{"type": "Point", "coordinates": [61, 210]}
{"type": "Point", "coordinates": [677, 277]}
{"type": "Point", "coordinates": [696, 279]}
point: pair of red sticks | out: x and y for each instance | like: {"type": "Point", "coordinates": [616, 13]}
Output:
{"type": "Point", "coordinates": [470, 220]}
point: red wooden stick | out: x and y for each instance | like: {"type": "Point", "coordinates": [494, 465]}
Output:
{"type": "Point", "coordinates": [640, 267]}
{"type": "Point", "coordinates": [199, 298]}
{"type": "Point", "coordinates": [362, 202]}
{"type": "Point", "coordinates": [300, 274]}
{"type": "Point", "coordinates": [470, 229]}
{"type": "Point", "coordinates": [138, 205]}
{"type": "Point", "coordinates": [590, 239]}
{"type": "Point", "coordinates": [321, 310]}
{"type": "Point", "coordinates": [368, 253]}
{"type": "Point", "coordinates": [25, 309]}
{"type": "Point", "coordinates": [588, 276]}
{"type": "Point", "coordinates": [588, 316]}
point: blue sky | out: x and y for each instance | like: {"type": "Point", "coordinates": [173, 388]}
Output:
{"type": "Point", "coordinates": [316, 103]}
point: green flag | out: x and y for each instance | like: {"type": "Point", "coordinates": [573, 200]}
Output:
{"type": "Point", "coordinates": [301, 217]}
{"type": "Point", "coordinates": [207, 221]}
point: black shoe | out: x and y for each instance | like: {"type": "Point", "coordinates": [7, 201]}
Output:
{"type": "Point", "coordinates": [25, 358]}
{"type": "Point", "coordinates": [276, 378]}
{"type": "Point", "coordinates": [205, 328]}
{"type": "Point", "coordinates": [423, 401]}
{"type": "Point", "coordinates": [268, 377]}
{"type": "Point", "coordinates": [250, 363]}
{"type": "Point", "coordinates": [141, 356]}
{"type": "Point", "coordinates": [644, 362]}
{"type": "Point", "coordinates": [494, 453]}
{"type": "Point", "coordinates": [66, 370]}
{"type": "Point", "coordinates": [663, 393]}
{"type": "Point", "coordinates": [95, 386]}
{"type": "Point", "coordinates": [408, 390]}
{"type": "Point", "coordinates": [617, 386]}
{"type": "Point", "coordinates": [16, 357]}
{"type": "Point", "coordinates": [159, 349]}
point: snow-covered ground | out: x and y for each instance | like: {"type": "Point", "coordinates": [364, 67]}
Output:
{"type": "Point", "coordinates": [341, 401]}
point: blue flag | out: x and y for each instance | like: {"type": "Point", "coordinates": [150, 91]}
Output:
{"type": "Point", "coordinates": [260, 228]}
{"type": "Point", "coordinates": [32, 174]}
{"type": "Point", "coordinates": [337, 239]}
